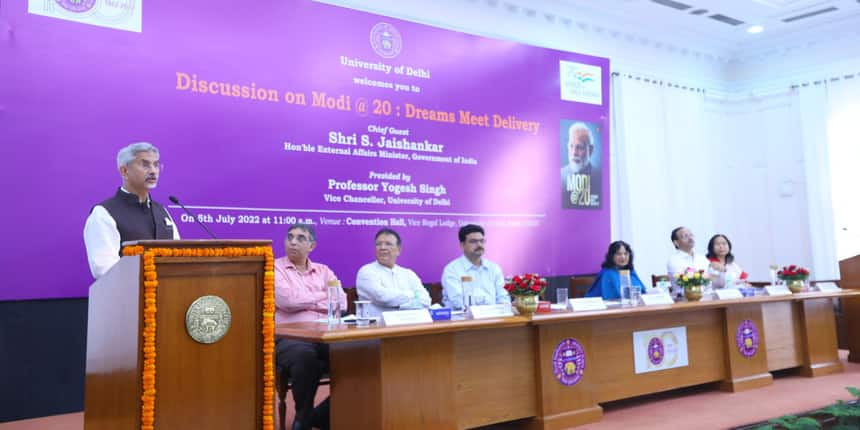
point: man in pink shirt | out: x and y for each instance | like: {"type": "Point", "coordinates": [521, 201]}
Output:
{"type": "Point", "coordinates": [301, 295]}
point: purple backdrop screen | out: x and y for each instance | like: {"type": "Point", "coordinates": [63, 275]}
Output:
{"type": "Point", "coordinates": [269, 113]}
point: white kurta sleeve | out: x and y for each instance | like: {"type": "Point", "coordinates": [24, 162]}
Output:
{"type": "Point", "coordinates": [102, 240]}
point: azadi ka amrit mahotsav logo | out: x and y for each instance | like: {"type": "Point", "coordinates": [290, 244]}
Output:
{"type": "Point", "coordinates": [580, 82]}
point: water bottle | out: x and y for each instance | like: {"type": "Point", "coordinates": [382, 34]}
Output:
{"type": "Point", "coordinates": [466, 289]}
{"type": "Point", "coordinates": [665, 286]}
{"type": "Point", "coordinates": [624, 287]}
{"type": "Point", "coordinates": [333, 311]}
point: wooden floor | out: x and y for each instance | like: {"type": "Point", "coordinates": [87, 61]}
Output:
{"type": "Point", "coordinates": [703, 407]}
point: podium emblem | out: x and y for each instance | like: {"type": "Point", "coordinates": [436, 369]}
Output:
{"type": "Point", "coordinates": [208, 319]}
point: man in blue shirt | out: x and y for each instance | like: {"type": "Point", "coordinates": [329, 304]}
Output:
{"type": "Point", "coordinates": [486, 285]}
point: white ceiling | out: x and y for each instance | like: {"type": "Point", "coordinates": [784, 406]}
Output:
{"type": "Point", "coordinates": [691, 27]}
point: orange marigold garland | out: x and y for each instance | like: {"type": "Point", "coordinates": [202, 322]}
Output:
{"type": "Point", "coordinates": [150, 286]}
{"type": "Point", "coordinates": [268, 339]}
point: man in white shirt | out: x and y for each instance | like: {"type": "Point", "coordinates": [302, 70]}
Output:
{"type": "Point", "coordinates": [487, 281]}
{"type": "Point", "coordinates": [685, 256]}
{"type": "Point", "coordinates": [130, 214]}
{"type": "Point", "coordinates": [385, 284]}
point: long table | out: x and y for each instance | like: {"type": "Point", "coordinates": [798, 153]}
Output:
{"type": "Point", "coordinates": [470, 373]}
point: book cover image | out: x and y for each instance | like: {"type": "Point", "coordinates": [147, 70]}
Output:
{"type": "Point", "coordinates": [580, 143]}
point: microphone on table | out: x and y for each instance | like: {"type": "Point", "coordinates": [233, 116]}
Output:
{"type": "Point", "coordinates": [176, 201]}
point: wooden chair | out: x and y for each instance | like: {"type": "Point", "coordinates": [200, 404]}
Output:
{"type": "Point", "coordinates": [283, 384]}
{"type": "Point", "coordinates": [351, 297]}
{"type": "Point", "coordinates": [282, 377]}
{"type": "Point", "coordinates": [435, 291]}
{"type": "Point", "coordinates": [657, 278]}
{"type": "Point", "coordinates": [579, 285]}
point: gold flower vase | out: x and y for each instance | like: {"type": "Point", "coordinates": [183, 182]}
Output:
{"type": "Point", "coordinates": [526, 304]}
{"type": "Point", "coordinates": [796, 285]}
{"type": "Point", "coordinates": [693, 293]}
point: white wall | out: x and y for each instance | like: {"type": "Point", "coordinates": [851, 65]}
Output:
{"type": "Point", "coordinates": [777, 72]}
{"type": "Point", "coordinates": [759, 183]}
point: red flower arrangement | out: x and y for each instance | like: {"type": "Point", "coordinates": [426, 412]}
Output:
{"type": "Point", "coordinates": [793, 273]}
{"type": "Point", "coordinates": [529, 284]}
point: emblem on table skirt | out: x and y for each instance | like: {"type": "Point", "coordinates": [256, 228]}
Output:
{"type": "Point", "coordinates": [656, 351]}
{"type": "Point", "coordinates": [747, 338]}
{"type": "Point", "coordinates": [568, 362]}
{"type": "Point", "coordinates": [208, 319]}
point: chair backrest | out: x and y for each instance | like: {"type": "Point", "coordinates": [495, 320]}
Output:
{"type": "Point", "coordinates": [435, 291]}
{"type": "Point", "coordinates": [658, 278]}
{"type": "Point", "coordinates": [351, 297]}
{"type": "Point", "coordinates": [580, 284]}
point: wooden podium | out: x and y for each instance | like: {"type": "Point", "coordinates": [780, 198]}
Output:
{"type": "Point", "coordinates": [849, 270]}
{"type": "Point", "coordinates": [220, 385]}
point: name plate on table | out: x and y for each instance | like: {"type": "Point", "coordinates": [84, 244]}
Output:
{"type": "Point", "coordinates": [491, 311]}
{"type": "Point", "coordinates": [544, 307]}
{"type": "Point", "coordinates": [412, 316]}
{"type": "Point", "coordinates": [827, 287]}
{"type": "Point", "coordinates": [587, 304]}
{"type": "Point", "coordinates": [728, 293]}
{"type": "Point", "coordinates": [777, 290]}
{"type": "Point", "coordinates": [440, 314]}
{"type": "Point", "coordinates": [657, 299]}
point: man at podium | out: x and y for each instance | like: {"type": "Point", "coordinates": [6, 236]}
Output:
{"type": "Point", "coordinates": [301, 295]}
{"type": "Point", "coordinates": [130, 214]}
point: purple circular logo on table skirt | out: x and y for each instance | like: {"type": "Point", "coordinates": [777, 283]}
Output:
{"type": "Point", "coordinates": [77, 6]}
{"type": "Point", "coordinates": [656, 351]}
{"type": "Point", "coordinates": [568, 362]}
{"type": "Point", "coordinates": [385, 40]}
{"type": "Point", "coordinates": [746, 338]}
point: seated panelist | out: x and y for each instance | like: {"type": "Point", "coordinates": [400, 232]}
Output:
{"type": "Point", "coordinates": [685, 256]}
{"type": "Point", "coordinates": [488, 282]}
{"type": "Point", "coordinates": [385, 284]}
{"type": "Point", "coordinates": [301, 295]}
{"type": "Point", "coordinates": [607, 284]}
{"type": "Point", "coordinates": [723, 264]}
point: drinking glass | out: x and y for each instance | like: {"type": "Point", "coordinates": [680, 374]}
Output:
{"type": "Point", "coordinates": [635, 294]}
{"type": "Point", "coordinates": [561, 295]}
{"type": "Point", "coordinates": [333, 314]}
{"type": "Point", "coordinates": [362, 313]}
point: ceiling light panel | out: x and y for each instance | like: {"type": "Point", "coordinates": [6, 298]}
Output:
{"type": "Point", "coordinates": [673, 4]}
{"type": "Point", "coordinates": [810, 14]}
{"type": "Point", "coordinates": [726, 19]}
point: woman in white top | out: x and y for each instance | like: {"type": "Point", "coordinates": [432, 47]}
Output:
{"type": "Point", "coordinates": [723, 263]}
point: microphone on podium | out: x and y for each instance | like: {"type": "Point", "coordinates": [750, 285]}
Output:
{"type": "Point", "coordinates": [176, 201]}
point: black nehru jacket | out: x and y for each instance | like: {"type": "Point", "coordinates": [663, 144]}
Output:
{"type": "Point", "coordinates": [136, 220]}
